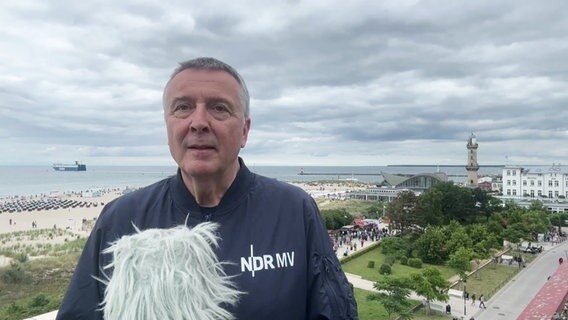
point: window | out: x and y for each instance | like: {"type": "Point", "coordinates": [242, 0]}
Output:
{"type": "Point", "coordinates": [556, 183]}
{"type": "Point", "coordinates": [508, 182]}
{"type": "Point", "coordinates": [550, 194]}
{"type": "Point", "coordinates": [514, 172]}
{"type": "Point", "coordinates": [532, 193]}
{"type": "Point", "coordinates": [514, 182]}
{"type": "Point", "coordinates": [532, 183]}
{"type": "Point", "coordinates": [550, 183]}
{"type": "Point", "coordinates": [508, 192]}
{"type": "Point", "coordinates": [556, 194]}
{"type": "Point", "coordinates": [514, 192]}
{"type": "Point", "coordinates": [525, 183]}
{"type": "Point", "coordinates": [540, 193]}
{"type": "Point", "coordinates": [508, 172]}
{"type": "Point", "coordinates": [539, 183]}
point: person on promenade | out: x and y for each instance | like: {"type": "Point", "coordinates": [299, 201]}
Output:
{"type": "Point", "coordinates": [473, 299]}
{"type": "Point", "coordinates": [482, 302]}
{"type": "Point", "coordinates": [273, 245]}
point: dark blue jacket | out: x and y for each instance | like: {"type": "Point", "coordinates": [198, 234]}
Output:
{"type": "Point", "coordinates": [270, 231]}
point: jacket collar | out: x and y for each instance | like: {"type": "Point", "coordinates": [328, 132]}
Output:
{"type": "Point", "coordinates": [237, 191]}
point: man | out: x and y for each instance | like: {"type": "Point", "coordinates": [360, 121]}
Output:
{"type": "Point", "coordinates": [271, 235]}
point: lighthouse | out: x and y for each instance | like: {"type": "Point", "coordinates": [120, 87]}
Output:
{"type": "Point", "coordinates": [472, 165]}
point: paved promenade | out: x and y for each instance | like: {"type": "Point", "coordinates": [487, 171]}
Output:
{"type": "Point", "coordinates": [509, 302]}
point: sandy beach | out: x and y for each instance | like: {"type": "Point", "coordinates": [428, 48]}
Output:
{"type": "Point", "coordinates": [71, 219]}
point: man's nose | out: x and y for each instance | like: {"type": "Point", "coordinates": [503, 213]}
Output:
{"type": "Point", "coordinates": [200, 119]}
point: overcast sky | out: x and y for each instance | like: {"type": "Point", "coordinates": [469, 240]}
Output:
{"type": "Point", "coordinates": [331, 82]}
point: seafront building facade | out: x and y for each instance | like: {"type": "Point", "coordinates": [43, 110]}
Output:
{"type": "Point", "coordinates": [524, 185]}
{"type": "Point", "coordinates": [521, 182]}
{"type": "Point", "coordinates": [395, 183]}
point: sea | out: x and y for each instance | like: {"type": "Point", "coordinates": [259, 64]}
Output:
{"type": "Point", "coordinates": [43, 180]}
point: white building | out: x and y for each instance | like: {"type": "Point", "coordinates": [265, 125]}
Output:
{"type": "Point", "coordinates": [551, 183]}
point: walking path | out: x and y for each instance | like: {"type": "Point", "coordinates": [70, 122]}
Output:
{"type": "Point", "coordinates": [508, 303]}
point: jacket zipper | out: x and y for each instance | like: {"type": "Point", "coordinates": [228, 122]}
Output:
{"type": "Point", "coordinates": [334, 299]}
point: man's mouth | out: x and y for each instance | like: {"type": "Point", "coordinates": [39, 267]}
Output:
{"type": "Point", "coordinates": [200, 147]}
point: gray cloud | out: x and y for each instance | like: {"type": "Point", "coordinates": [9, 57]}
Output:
{"type": "Point", "coordinates": [363, 82]}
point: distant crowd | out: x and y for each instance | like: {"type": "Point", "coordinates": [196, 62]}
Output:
{"type": "Point", "coordinates": [353, 239]}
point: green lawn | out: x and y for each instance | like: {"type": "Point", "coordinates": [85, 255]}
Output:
{"type": "Point", "coordinates": [489, 279]}
{"type": "Point", "coordinates": [359, 266]}
{"type": "Point", "coordinates": [368, 310]}
{"type": "Point", "coordinates": [373, 310]}
{"type": "Point", "coordinates": [421, 315]}
{"type": "Point", "coordinates": [351, 206]}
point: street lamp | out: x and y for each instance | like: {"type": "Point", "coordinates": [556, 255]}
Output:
{"type": "Point", "coordinates": [464, 298]}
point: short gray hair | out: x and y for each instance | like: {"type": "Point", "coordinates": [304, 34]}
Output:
{"type": "Point", "coordinates": [212, 64]}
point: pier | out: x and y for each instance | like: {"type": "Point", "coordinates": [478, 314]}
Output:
{"type": "Point", "coordinates": [302, 173]}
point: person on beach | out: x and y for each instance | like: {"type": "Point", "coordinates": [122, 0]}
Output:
{"type": "Point", "coordinates": [272, 244]}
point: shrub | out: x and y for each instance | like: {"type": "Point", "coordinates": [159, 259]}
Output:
{"type": "Point", "coordinates": [404, 260]}
{"type": "Point", "coordinates": [14, 274]}
{"type": "Point", "coordinates": [415, 263]}
{"type": "Point", "coordinates": [39, 301]}
{"type": "Point", "coordinates": [371, 264]}
{"type": "Point", "coordinates": [390, 260]}
{"type": "Point", "coordinates": [385, 269]}
{"type": "Point", "coordinates": [22, 258]}
{"type": "Point", "coordinates": [393, 246]}
{"type": "Point", "coordinates": [15, 309]}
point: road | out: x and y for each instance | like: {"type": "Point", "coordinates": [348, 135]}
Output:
{"type": "Point", "coordinates": [510, 301]}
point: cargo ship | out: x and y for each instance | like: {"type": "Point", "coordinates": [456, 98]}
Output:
{"type": "Point", "coordinates": [70, 167]}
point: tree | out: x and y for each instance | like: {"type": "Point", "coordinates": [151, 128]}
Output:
{"type": "Point", "coordinates": [457, 202]}
{"type": "Point", "coordinates": [430, 208]}
{"type": "Point", "coordinates": [375, 210]}
{"type": "Point", "coordinates": [401, 211]}
{"type": "Point", "coordinates": [393, 295]}
{"type": "Point", "coordinates": [458, 239]}
{"type": "Point", "coordinates": [431, 285]}
{"type": "Point", "coordinates": [477, 232]}
{"type": "Point", "coordinates": [515, 233]}
{"type": "Point", "coordinates": [537, 205]}
{"type": "Point", "coordinates": [336, 218]}
{"type": "Point", "coordinates": [394, 246]}
{"type": "Point", "coordinates": [461, 260]}
{"type": "Point", "coordinates": [485, 203]}
{"type": "Point", "coordinates": [431, 246]}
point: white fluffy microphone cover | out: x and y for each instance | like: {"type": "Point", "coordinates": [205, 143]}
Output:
{"type": "Point", "coordinates": [168, 274]}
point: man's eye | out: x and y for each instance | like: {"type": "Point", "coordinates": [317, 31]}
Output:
{"type": "Point", "coordinates": [220, 108]}
{"type": "Point", "coordinates": [220, 111]}
{"type": "Point", "coordinates": [181, 110]}
{"type": "Point", "coordinates": [181, 107]}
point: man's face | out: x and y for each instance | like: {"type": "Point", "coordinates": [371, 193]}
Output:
{"type": "Point", "coordinates": [205, 122]}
